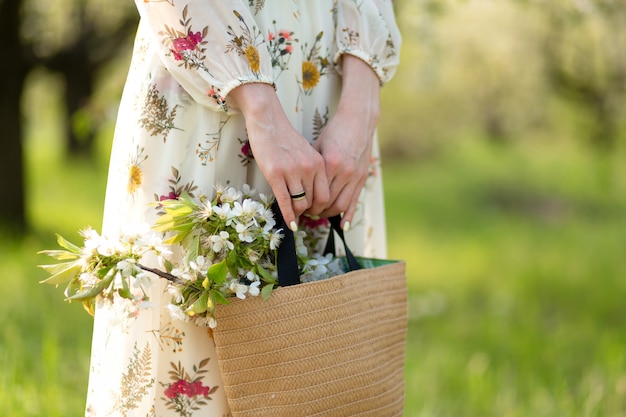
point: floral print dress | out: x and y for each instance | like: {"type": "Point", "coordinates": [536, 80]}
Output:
{"type": "Point", "coordinates": [177, 132]}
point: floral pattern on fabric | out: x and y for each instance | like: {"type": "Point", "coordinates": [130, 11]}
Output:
{"type": "Point", "coordinates": [176, 188]}
{"type": "Point", "coordinates": [157, 117]}
{"type": "Point", "coordinates": [177, 132]}
{"type": "Point", "coordinates": [186, 46]}
{"type": "Point", "coordinates": [245, 42]}
{"type": "Point", "coordinates": [136, 381]}
{"type": "Point", "coordinates": [187, 393]}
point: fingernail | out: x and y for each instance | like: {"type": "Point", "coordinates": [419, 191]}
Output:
{"type": "Point", "coordinates": [293, 226]}
{"type": "Point", "coordinates": [346, 226]}
{"type": "Point", "coordinates": [313, 217]}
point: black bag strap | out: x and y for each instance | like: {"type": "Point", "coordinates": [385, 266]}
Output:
{"type": "Point", "coordinates": [287, 261]}
{"type": "Point", "coordinates": [335, 223]}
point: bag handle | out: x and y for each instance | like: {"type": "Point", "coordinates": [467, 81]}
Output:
{"type": "Point", "coordinates": [287, 261]}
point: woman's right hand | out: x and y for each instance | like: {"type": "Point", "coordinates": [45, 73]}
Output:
{"type": "Point", "coordinates": [287, 160]}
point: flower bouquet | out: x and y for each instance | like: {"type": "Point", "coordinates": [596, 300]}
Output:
{"type": "Point", "coordinates": [209, 250]}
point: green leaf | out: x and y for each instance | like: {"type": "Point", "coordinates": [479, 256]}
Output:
{"type": "Point", "coordinates": [265, 275]}
{"type": "Point", "coordinates": [201, 304]}
{"type": "Point", "coordinates": [103, 272]}
{"type": "Point", "coordinates": [74, 287]}
{"type": "Point", "coordinates": [168, 265]}
{"type": "Point", "coordinates": [217, 272]}
{"type": "Point", "coordinates": [61, 272]}
{"type": "Point", "coordinates": [66, 244]}
{"type": "Point", "coordinates": [266, 291]}
{"type": "Point", "coordinates": [233, 264]}
{"type": "Point", "coordinates": [61, 255]}
{"type": "Point", "coordinates": [219, 298]}
{"type": "Point", "coordinates": [93, 291]}
{"type": "Point", "coordinates": [193, 247]}
{"type": "Point", "coordinates": [164, 223]}
{"type": "Point", "coordinates": [124, 292]}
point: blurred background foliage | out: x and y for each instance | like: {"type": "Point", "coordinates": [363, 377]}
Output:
{"type": "Point", "coordinates": [503, 138]}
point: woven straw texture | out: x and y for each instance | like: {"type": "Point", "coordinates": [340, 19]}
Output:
{"type": "Point", "coordinates": [327, 348]}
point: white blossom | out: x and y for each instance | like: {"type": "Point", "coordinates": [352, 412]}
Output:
{"type": "Point", "coordinates": [248, 191]}
{"type": "Point", "coordinates": [221, 242]}
{"type": "Point", "coordinates": [183, 273]}
{"type": "Point", "coordinates": [230, 195]}
{"type": "Point", "coordinates": [245, 232]}
{"type": "Point", "coordinates": [206, 210]}
{"type": "Point", "coordinates": [239, 289]}
{"type": "Point", "coordinates": [88, 279]}
{"type": "Point", "coordinates": [128, 267]}
{"type": "Point", "coordinates": [143, 281]}
{"type": "Point", "coordinates": [254, 289]}
{"type": "Point", "coordinates": [224, 213]}
{"type": "Point", "coordinates": [201, 264]}
{"type": "Point", "coordinates": [275, 238]}
{"type": "Point", "coordinates": [118, 281]}
{"type": "Point", "coordinates": [174, 291]}
{"type": "Point", "coordinates": [176, 312]}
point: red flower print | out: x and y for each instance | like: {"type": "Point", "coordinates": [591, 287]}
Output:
{"type": "Point", "coordinates": [182, 44]}
{"type": "Point", "coordinates": [186, 394]}
{"type": "Point", "coordinates": [197, 389]}
{"type": "Point", "coordinates": [194, 38]}
{"type": "Point", "coordinates": [171, 196]}
{"type": "Point", "coordinates": [245, 149]}
{"type": "Point", "coordinates": [186, 388]}
{"type": "Point", "coordinates": [288, 49]}
{"type": "Point", "coordinates": [284, 34]}
{"type": "Point", "coordinates": [217, 98]}
{"type": "Point", "coordinates": [271, 36]}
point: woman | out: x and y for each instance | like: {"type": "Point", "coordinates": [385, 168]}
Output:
{"type": "Point", "coordinates": [280, 95]}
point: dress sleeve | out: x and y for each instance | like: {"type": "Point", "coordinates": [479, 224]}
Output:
{"type": "Point", "coordinates": [209, 47]}
{"type": "Point", "coordinates": [367, 29]}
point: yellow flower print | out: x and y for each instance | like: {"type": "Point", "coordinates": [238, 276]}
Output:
{"type": "Point", "coordinates": [310, 75]}
{"type": "Point", "coordinates": [252, 54]}
{"type": "Point", "coordinates": [314, 66]}
{"type": "Point", "coordinates": [245, 41]}
{"type": "Point", "coordinates": [135, 173]}
{"type": "Point", "coordinates": [135, 178]}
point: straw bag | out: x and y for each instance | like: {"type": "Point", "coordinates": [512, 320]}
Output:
{"type": "Point", "coordinates": [327, 348]}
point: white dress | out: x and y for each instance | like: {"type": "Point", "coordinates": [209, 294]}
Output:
{"type": "Point", "coordinates": [176, 131]}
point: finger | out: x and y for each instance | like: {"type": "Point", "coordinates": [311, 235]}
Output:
{"type": "Point", "coordinates": [281, 193]}
{"type": "Point", "coordinates": [348, 215]}
{"type": "Point", "coordinates": [340, 193]}
{"type": "Point", "coordinates": [320, 194]}
{"type": "Point", "coordinates": [299, 196]}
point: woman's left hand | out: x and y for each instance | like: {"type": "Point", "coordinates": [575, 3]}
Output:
{"type": "Point", "coordinates": [346, 141]}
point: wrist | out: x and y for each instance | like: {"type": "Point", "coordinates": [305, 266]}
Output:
{"type": "Point", "coordinates": [255, 100]}
{"type": "Point", "coordinates": [360, 91]}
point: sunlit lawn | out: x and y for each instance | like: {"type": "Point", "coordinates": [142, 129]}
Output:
{"type": "Point", "coordinates": [515, 266]}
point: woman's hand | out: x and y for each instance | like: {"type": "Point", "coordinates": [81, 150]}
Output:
{"type": "Point", "coordinates": [287, 160]}
{"type": "Point", "coordinates": [346, 141]}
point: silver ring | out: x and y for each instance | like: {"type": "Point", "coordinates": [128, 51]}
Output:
{"type": "Point", "coordinates": [298, 196]}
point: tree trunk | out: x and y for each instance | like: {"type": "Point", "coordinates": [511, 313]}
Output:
{"type": "Point", "coordinates": [13, 70]}
{"type": "Point", "coordinates": [79, 74]}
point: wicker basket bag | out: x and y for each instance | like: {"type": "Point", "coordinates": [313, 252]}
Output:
{"type": "Point", "coordinates": [327, 348]}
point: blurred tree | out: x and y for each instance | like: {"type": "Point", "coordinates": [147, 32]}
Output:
{"type": "Point", "coordinates": [86, 34]}
{"type": "Point", "coordinates": [14, 67]}
{"type": "Point", "coordinates": [585, 59]}
{"type": "Point", "coordinates": [73, 37]}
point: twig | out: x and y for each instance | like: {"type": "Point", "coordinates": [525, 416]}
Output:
{"type": "Point", "coordinates": [169, 277]}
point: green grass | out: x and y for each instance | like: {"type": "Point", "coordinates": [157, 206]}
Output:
{"type": "Point", "coordinates": [517, 278]}
{"type": "Point", "coordinates": [515, 268]}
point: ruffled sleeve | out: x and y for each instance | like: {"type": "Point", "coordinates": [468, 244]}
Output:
{"type": "Point", "coordinates": [209, 47]}
{"type": "Point", "coordinates": [367, 29]}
